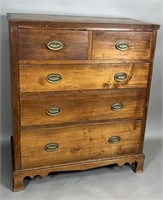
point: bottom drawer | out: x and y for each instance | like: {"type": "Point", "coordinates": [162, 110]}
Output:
{"type": "Point", "coordinates": [50, 146]}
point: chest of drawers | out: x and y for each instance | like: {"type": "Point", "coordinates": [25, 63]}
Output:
{"type": "Point", "coordinates": [80, 92]}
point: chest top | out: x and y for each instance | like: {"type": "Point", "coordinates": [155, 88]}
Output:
{"type": "Point", "coordinates": [89, 23]}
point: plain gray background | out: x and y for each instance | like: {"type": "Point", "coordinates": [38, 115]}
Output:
{"type": "Point", "coordinates": [107, 182]}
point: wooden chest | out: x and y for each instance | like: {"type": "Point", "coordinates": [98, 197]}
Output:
{"type": "Point", "coordinates": [80, 92]}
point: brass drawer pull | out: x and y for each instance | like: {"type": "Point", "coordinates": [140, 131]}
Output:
{"type": "Point", "coordinates": [114, 139]}
{"type": "Point", "coordinates": [122, 46]}
{"type": "Point", "coordinates": [53, 111]}
{"type": "Point", "coordinates": [54, 78]}
{"type": "Point", "coordinates": [120, 77]}
{"type": "Point", "coordinates": [117, 106]}
{"type": "Point", "coordinates": [52, 147]}
{"type": "Point", "coordinates": [55, 45]}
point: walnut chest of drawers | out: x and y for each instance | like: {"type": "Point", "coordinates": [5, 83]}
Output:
{"type": "Point", "coordinates": [80, 92]}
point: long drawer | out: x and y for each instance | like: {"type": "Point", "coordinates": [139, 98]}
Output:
{"type": "Point", "coordinates": [82, 77]}
{"type": "Point", "coordinates": [42, 147]}
{"type": "Point", "coordinates": [60, 108]}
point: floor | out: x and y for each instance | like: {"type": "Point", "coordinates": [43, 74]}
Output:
{"type": "Point", "coordinates": [106, 183]}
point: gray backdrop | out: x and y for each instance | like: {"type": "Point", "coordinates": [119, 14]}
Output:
{"type": "Point", "coordinates": [105, 183]}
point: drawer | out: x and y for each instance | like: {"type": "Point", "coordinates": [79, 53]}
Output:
{"type": "Point", "coordinates": [82, 77]}
{"type": "Point", "coordinates": [37, 44]}
{"type": "Point", "coordinates": [42, 147]}
{"type": "Point", "coordinates": [57, 108]}
{"type": "Point", "coordinates": [121, 45]}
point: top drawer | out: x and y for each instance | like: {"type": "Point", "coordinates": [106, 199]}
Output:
{"type": "Point", "coordinates": [121, 45]}
{"type": "Point", "coordinates": [36, 44]}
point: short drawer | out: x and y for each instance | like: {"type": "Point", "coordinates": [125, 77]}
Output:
{"type": "Point", "coordinates": [43, 147]}
{"type": "Point", "coordinates": [121, 45]}
{"type": "Point", "coordinates": [57, 108]}
{"type": "Point", "coordinates": [83, 77]}
{"type": "Point", "coordinates": [37, 44]}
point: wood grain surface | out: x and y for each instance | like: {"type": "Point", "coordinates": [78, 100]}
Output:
{"type": "Point", "coordinates": [15, 94]}
{"type": "Point", "coordinates": [79, 143]}
{"type": "Point", "coordinates": [82, 77]}
{"type": "Point", "coordinates": [79, 107]}
{"type": "Point", "coordinates": [33, 44]}
{"type": "Point", "coordinates": [104, 45]}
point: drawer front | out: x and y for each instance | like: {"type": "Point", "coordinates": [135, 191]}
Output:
{"type": "Point", "coordinates": [41, 147]}
{"type": "Point", "coordinates": [36, 44]}
{"type": "Point", "coordinates": [82, 77]}
{"type": "Point", "coordinates": [121, 45]}
{"type": "Point", "coordinates": [55, 108]}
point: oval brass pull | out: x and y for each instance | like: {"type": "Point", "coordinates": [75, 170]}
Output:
{"type": "Point", "coordinates": [120, 77]}
{"type": "Point", "coordinates": [52, 147]}
{"type": "Point", "coordinates": [116, 106]}
{"type": "Point", "coordinates": [114, 139]}
{"type": "Point", "coordinates": [54, 78]}
{"type": "Point", "coordinates": [122, 46]}
{"type": "Point", "coordinates": [53, 111]}
{"type": "Point", "coordinates": [55, 45]}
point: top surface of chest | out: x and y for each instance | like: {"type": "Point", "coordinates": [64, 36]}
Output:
{"type": "Point", "coordinates": [26, 20]}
